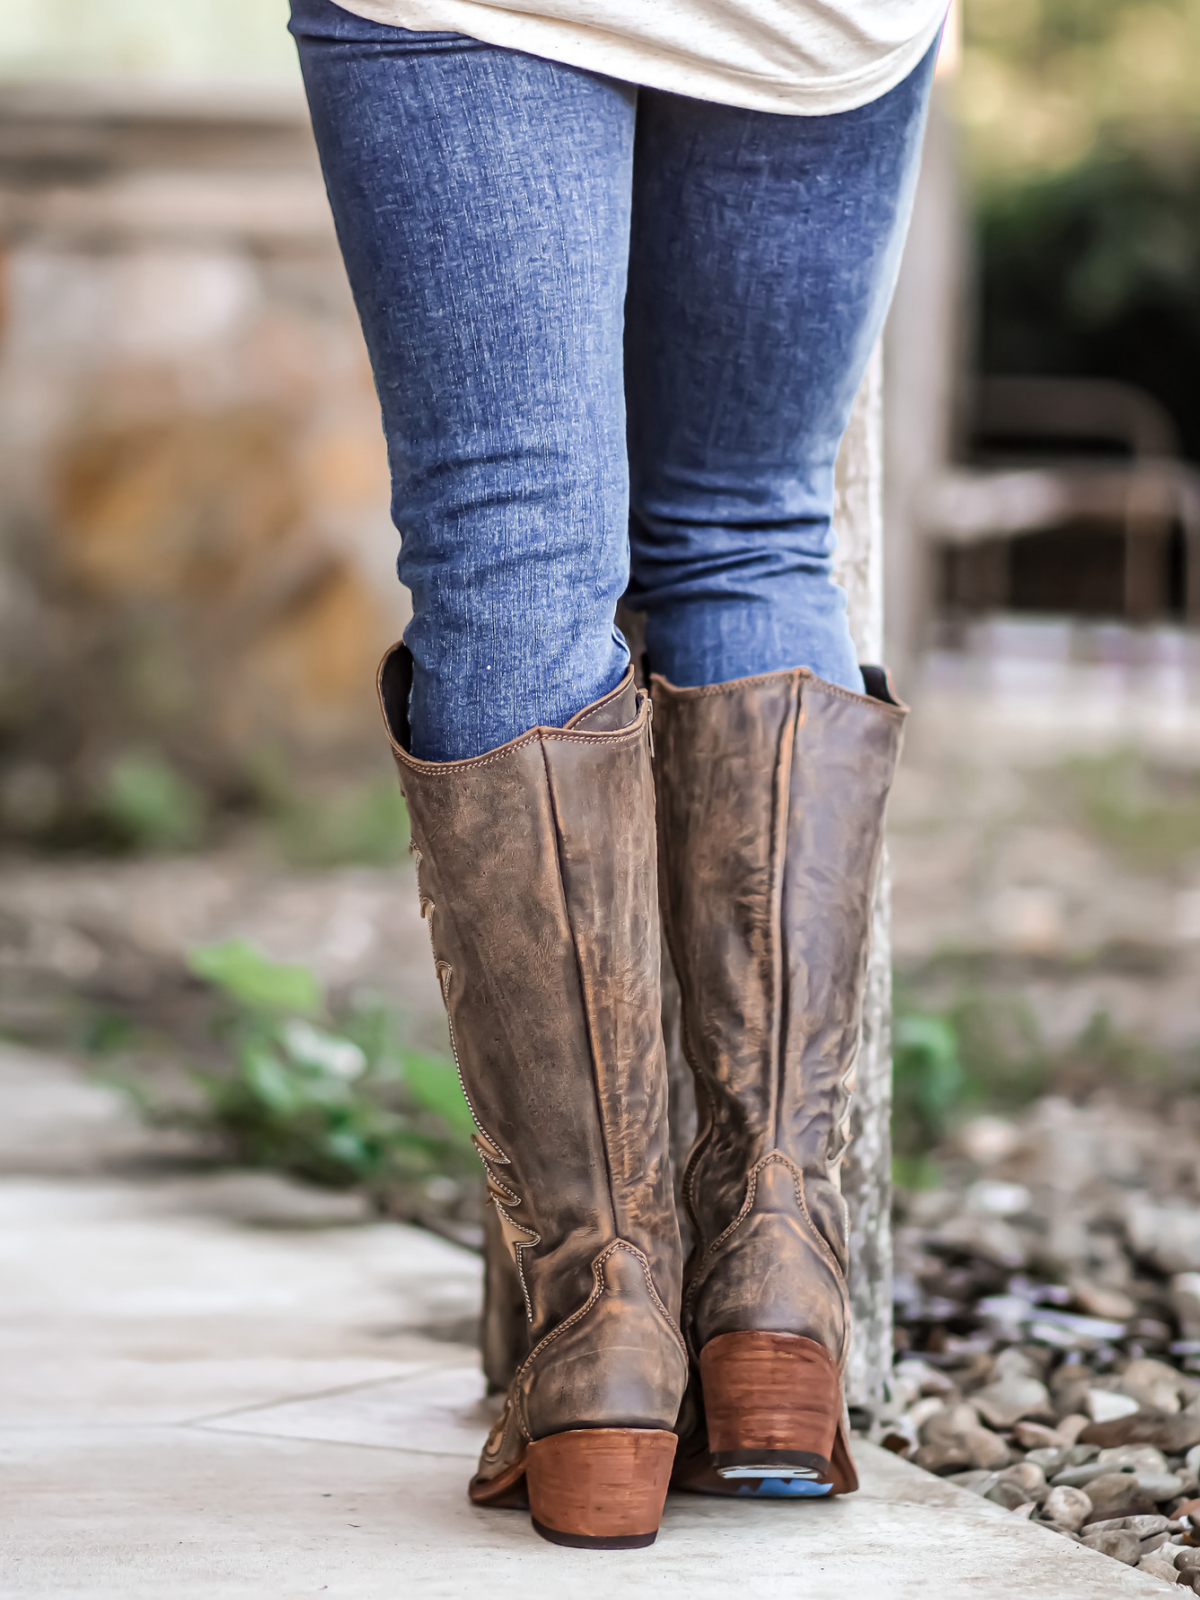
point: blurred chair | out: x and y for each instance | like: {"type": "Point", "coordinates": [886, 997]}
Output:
{"type": "Point", "coordinates": [1071, 454]}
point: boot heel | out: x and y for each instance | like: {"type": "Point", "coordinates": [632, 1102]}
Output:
{"type": "Point", "coordinates": [600, 1488]}
{"type": "Point", "coordinates": [773, 1404]}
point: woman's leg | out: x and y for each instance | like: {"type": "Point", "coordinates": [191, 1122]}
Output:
{"type": "Point", "coordinates": [764, 250]}
{"type": "Point", "coordinates": [482, 204]}
{"type": "Point", "coordinates": [764, 253]}
{"type": "Point", "coordinates": [482, 200]}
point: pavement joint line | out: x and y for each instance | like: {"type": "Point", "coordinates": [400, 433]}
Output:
{"type": "Point", "coordinates": [314, 1394]}
{"type": "Point", "coordinates": [336, 1444]}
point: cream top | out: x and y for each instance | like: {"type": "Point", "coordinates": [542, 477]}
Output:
{"type": "Point", "coordinates": [806, 57]}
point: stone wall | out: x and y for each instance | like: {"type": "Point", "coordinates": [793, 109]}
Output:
{"type": "Point", "coordinates": [195, 551]}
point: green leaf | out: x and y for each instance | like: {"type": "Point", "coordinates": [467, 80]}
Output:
{"type": "Point", "coordinates": [323, 1052]}
{"type": "Point", "coordinates": [434, 1086]}
{"type": "Point", "coordinates": [150, 805]}
{"type": "Point", "coordinates": [269, 1081]}
{"type": "Point", "coordinates": [242, 972]}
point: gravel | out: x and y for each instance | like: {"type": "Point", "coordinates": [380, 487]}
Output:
{"type": "Point", "coordinates": [1048, 1323]}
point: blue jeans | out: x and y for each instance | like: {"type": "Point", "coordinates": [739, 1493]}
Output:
{"type": "Point", "coordinates": [616, 335]}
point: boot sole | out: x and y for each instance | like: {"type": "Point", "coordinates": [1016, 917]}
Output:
{"type": "Point", "coordinates": [590, 1488]}
{"type": "Point", "coordinates": [776, 1428]}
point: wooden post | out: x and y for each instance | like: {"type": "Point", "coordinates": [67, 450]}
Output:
{"type": "Point", "coordinates": [866, 1175]}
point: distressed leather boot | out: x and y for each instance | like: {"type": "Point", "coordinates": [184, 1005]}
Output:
{"type": "Point", "coordinates": [771, 797]}
{"type": "Point", "coordinates": [536, 871]}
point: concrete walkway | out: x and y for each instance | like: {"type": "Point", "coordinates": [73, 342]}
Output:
{"type": "Point", "coordinates": [224, 1385]}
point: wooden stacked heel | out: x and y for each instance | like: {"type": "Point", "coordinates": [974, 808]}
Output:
{"type": "Point", "coordinates": [773, 1406]}
{"type": "Point", "coordinates": [600, 1488]}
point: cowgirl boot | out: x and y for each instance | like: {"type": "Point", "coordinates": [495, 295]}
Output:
{"type": "Point", "coordinates": [536, 870]}
{"type": "Point", "coordinates": [771, 796]}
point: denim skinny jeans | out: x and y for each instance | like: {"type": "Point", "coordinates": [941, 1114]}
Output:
{"type": "Point", "coordinates": [616, 335]}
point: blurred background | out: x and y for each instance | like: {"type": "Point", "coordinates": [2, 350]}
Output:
{"type": "Point", "coordinates": [204, 895]}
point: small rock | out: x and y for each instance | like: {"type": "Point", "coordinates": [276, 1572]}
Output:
{"type": "Point", "coordinates": [1079, 1477]}
{"type": "Point", "coordinates": [987, 1449]}
{"type": "Point", "coordinates": [989, 1238]}
{"type": "Point", "coordinates": [1152, 1384]}
{"type": "Point", "coordinates": [900, 1444]}
{"type": "Point", "coordinates": [1168, 1235]}
{"type": "Point", "coordinates": [1008, 1495]}
{"type": "Point", "coordinates": [1097, 1301]}
{"type": "Point", "coordinates": [1191, 1462]}
{"type": "Point", "coordinates": [1159, 1565]}
{"type": "Point", "coordinates": [944, 1457]}
{"type": "Point", "coordinates": [1071, 1426]}
{"type": "Point", "coordinates": [1141, 1457]}
{"type": "Point", "coordinates": [1035, 1436]}
{"type": "Point", "coordinates": [1028, 1476]}
{"type": "Point", "coordinates": [977, 1479]}
{"type": "Point", "coordinates": [1173, 1432]}
{"type": "Point", "coordinates": [1185, 1302]}
{"type": "Point", "coordinates": [944, 1422]}
{"type": "Point", "coordinates": [1154, 1542]}
{"type": "Point", "coordinates": [1117, 1494]}
{"type": "Point", "coordinates": [1007, 1402]}
{"type": "Point", "coordinates": [926, 1380]}
{"type": "Point", "coordinates": [1105, 1406]}
{"type": "Point", "coordinates": [1159, 1486]}
{"type": "Point", "coordinates": [1120, 1545]}
{"type": "Point", "coordinates": [1187, 1561]}
{"type": "Point", "coordinates": [986, 1140]}
{"type": "Point", "coordinates": [1143, 1527]}
{"type": "Point", "coordinates": [1067, 1508]}
{"type": "Point", "coordinates": [1016, 1362]}
{"type": "Point", "coordinates": [1071, 1400]}
{"type": "Point", "coordinates": [923, 1411]}
{"type": "Point", "coordinates": [973, 1447]}
{"type": "Point", "coordinates": [990, 1197]}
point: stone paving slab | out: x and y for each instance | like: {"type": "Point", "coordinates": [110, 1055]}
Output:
{"type": "Point", "coordinates": [195, 1406]}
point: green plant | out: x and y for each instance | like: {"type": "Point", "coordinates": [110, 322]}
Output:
{"type": "Point", "coordinates": [1095, 271]}
{"type": "Point", "coordinates": [145, 804]}
{"type": "Point", "coordinates": [980, 1052]}
{"type": "Point", "coordinates": [927, 1083]}
{"type": "Point", "coordinates": [340, 1102]}
{"type": "Point", "coordinates": [1148, 812]}
{"type": "Point", "coordinates": [366, 826]}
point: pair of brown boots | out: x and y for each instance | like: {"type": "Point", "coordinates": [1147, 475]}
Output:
{"type": "Point", "coordinates": [540, 868]}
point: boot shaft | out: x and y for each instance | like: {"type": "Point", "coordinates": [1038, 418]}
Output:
{"type": "Point", "coordinates": [771, 799]}
{"type": "Point", "coordinates": [536, 870]}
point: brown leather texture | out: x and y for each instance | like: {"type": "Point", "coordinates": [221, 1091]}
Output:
{"type": "Point", "coordinates": [537, 876]}
{"type": "Point", "coordinates": [771, 799]}
{"type": "Point", "coordinates": [607, 1485]}
{"type": "Point", "coordinates": [770, 1391]}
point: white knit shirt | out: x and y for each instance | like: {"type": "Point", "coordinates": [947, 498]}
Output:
{"type": "Point", "coordinates": [806, 57]}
